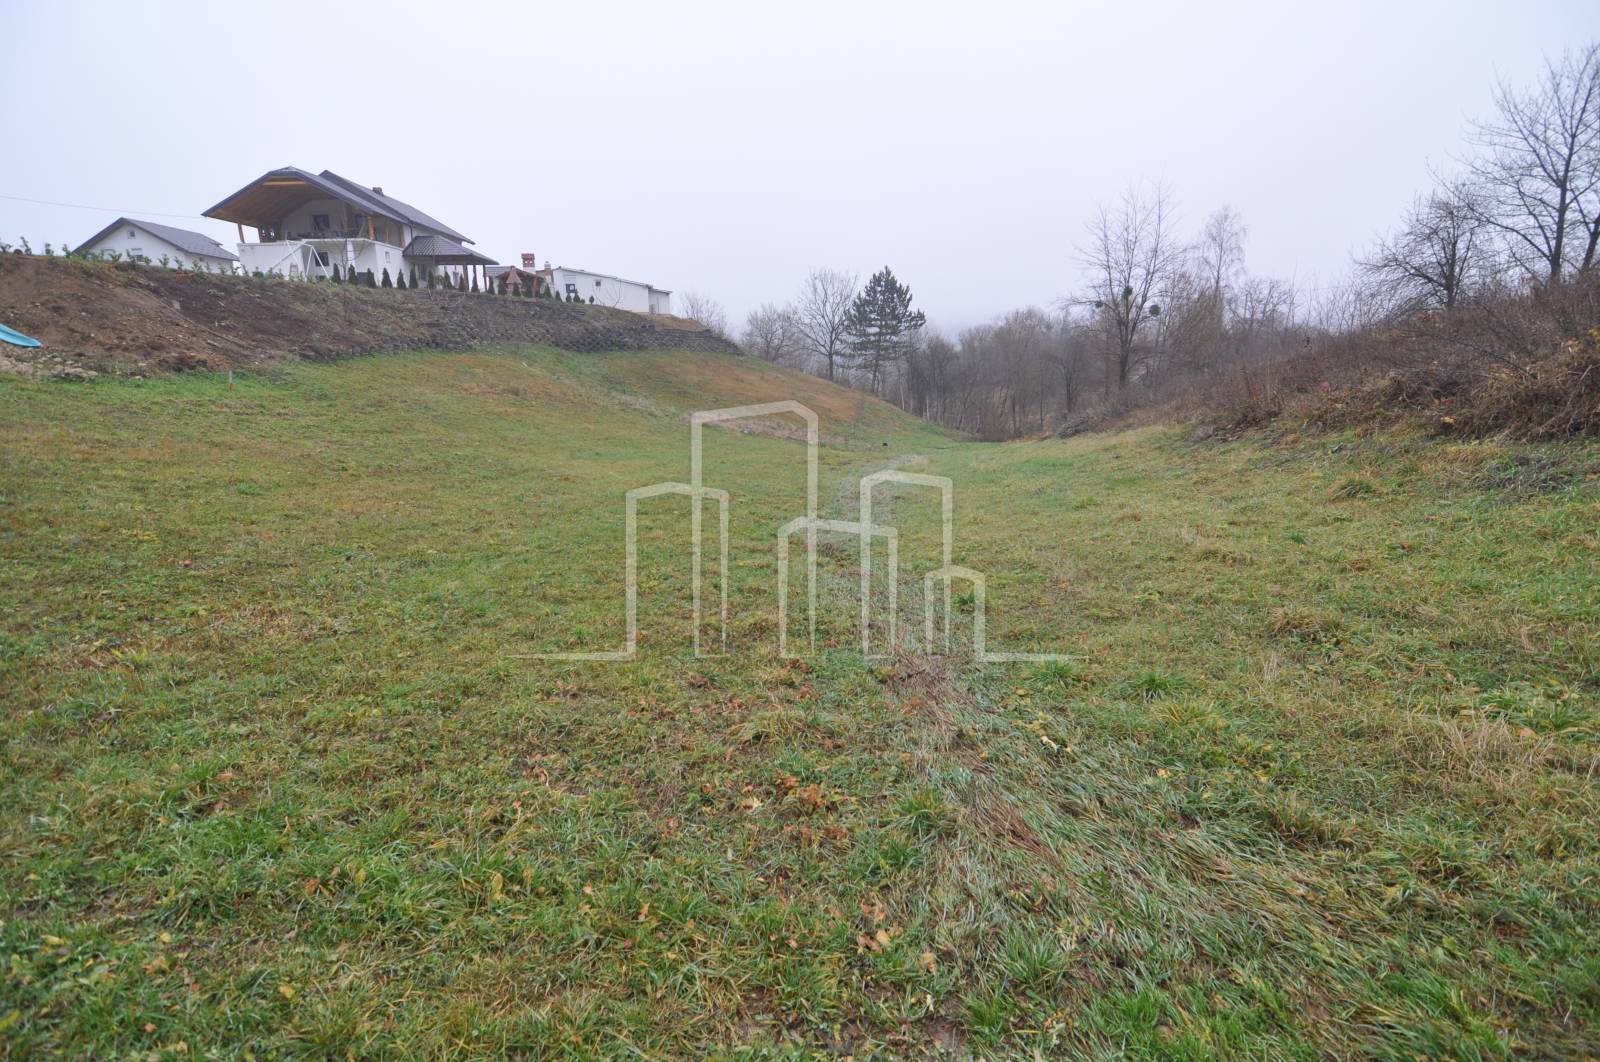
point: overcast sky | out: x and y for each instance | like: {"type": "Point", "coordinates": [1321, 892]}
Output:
{"type": "Point", "coordinates": [727, 147]}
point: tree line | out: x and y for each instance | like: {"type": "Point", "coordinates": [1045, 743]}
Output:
{"type": "Point", "coordinates": [1159, 309]}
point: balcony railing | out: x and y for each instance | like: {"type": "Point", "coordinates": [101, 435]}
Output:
{"type": "Point", "coordinates": [330, 234]}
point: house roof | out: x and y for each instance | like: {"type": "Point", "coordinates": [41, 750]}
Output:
{"type": "Point", "coordinates": [395, 208]}
{"type": "Point", "coordinates": [610, 276]}
{"type": "Point", "coordinates": [275, 193]}
{"type": "Point", "coordinates": [445, 252]}
{"type": "Point", "coordinates": [184, 240]}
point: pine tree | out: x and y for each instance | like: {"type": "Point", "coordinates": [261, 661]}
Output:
{"type": "Point", "coordinates": [368, 279]}
{"type": "Point", "coordinates": [432, 280]}
{"type": "Point", "coordinates": [502, 285]}
{"type": "Point", "coordinates": [387, 283]}
{"type": "Point", "coordinates": [462, 282]}
{"type": "Point", "coordinates": [337, 279]}
{"type": "Point", "coordinates": [413, 278]}
{"type": "Point", "coordinates": [881, 324]}
{"type": "Point", "coordinates": [474, 283]}
{"type": "Point", "coordinates": [400, 279]}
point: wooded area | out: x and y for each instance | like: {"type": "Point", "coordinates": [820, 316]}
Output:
{"type": "Point", "coordinates": [1161, 311]}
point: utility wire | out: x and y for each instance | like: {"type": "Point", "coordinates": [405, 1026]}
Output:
{"type": "Point", "coordinates": [108, 210]}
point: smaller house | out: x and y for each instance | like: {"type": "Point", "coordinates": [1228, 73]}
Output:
{"type": "Point", "coordinates": [525, 279]}
{"type": "Point", "coordinates": [145, 241]}
{"type": "Point", "coordinates": [603, 289]}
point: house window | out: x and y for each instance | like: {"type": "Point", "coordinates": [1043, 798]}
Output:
{"type": "Point", "coordinates": [319, 223]}
{"type": "Point", "coordinates": [322, 258]}
{"type": "Point", "coordinates": [131, 234]}
{"type": "Point", "coordinates": [597, 283]}
{"type": "Point", "coordinates": [572, 289]}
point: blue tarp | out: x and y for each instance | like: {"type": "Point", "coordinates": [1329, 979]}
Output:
{"type": "Point", "coordinates": [15, 338]}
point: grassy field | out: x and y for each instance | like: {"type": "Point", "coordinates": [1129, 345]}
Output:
{"type": "Point", "coordinates": [283, 778]}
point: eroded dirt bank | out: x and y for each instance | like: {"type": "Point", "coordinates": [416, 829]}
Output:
{"type": "Point", "coordinates": [98, 317]}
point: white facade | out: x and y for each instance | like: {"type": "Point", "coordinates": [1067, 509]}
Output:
{"type": "Point", "coordinates": [604, 289]}
{"type": "Point", "coordinates": [324, 233]}
{"type": "Point", "coordinates": [303, 259]}
{"type": "Point", "coordinates": [133, 241]}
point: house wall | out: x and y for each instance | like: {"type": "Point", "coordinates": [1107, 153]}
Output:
{"type": "Point", "coordinates": [358, 253]}
{"type": "Point", "coordinates": [660, 301]}
{"type": "Point", "coordinates": [152, 247]}
{"type": "Point", "coordinates": [341, 215]}
{"type": "Point", "coordinates": [298, 221]}
{"type": "Point", "coordinates": [292, 258]}
{"type": "Point", "coordinates": [380, 256]}
{"type": "Point", "coordinates": [275, 259]}
{"type": "Point", "coordinates": [607, 291]}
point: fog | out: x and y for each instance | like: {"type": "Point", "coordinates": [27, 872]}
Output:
{"type": "Point", "coordinates": [727, 147]}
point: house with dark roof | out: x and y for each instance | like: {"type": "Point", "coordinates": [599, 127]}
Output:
{"type": "Point", "coordinates": [307, 225]}
{"type": "Point", "coordinates": [146, 241]}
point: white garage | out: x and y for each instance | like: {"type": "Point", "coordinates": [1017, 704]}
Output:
{"type": "Point", "coordinates": [603, 289]}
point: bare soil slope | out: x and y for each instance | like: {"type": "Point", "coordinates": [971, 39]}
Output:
{"type": "Point", "coordinates": [94, 316]}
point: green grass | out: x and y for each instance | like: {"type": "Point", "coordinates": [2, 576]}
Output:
{"type": "Point", "coordinates": [281, 778]}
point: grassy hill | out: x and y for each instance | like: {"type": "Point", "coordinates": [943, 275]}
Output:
{"type": "Point", "coordinates": [283, 776]}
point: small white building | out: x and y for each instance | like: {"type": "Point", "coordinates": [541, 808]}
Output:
{"type": "Point", "coordinates": [145, 241]}
{"type": "Point", "coordinates": [603, 289]}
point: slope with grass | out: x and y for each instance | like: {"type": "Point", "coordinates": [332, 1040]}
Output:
{"type": "Point", "coordinates": [284, 777]}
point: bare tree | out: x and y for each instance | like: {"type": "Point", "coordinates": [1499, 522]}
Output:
{"type": "Point", "coordinates": [822, 315]}
{"type": "Point", "coordinates": [926, 384]}
{"type": "Point", "coordinates": [1263, 319]}
{"type": "Point", "coordinates": [1022, 344]}
{"type": "Point", "coordinates": [1130, 256]}
{"type": "Point", "coordinates": [707, 311]}
{"type": "Point", "coordinates": [770, 334]}
{"type": "Point", "coordinates": [1540, 170]}
{"type": "Point", "coordinates": [1070, 356]}
{"type": "Point", "coordinates": [1220, 250]}
{"type": "Point", "coordinates": [1441, 250]}
{"type": "Point", "coordinates": [1192, 332]}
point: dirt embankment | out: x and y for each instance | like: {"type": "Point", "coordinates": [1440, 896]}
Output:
{"type": "Point", "coordinates": [98, 317]}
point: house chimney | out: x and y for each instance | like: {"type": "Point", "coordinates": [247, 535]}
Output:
{"type": "Point", "coordinates": [530, 260]}
{"type": "Point", "coordinates": [378, 189]}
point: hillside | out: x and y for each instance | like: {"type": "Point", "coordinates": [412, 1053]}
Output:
{"type": "Point", "coordinates": [285, 775]}
{"type": "Point", "coordinates": [97, 317]}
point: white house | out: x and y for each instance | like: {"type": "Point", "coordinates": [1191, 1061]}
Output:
{"type": "Point", "coordinates": [307, 224]}
{"type": "Point", "coordinates": [603, 289]}
{"type": "Point", "coordinates": [145, 241]}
